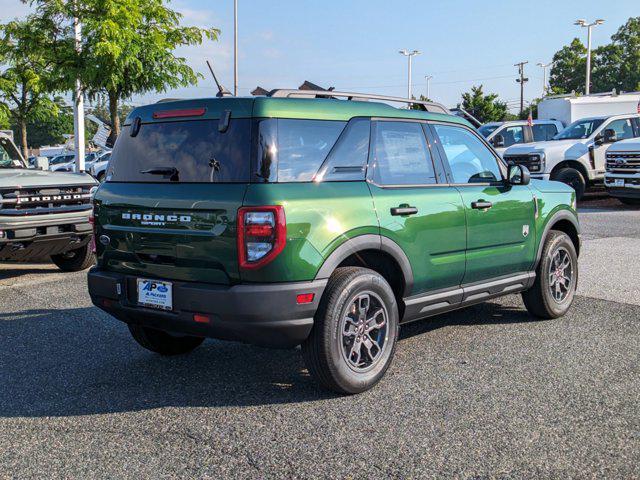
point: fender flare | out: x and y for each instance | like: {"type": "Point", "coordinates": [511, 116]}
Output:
{"type": "Point", "coordinates": [555, 218]}
{"type": "Point", "coordinates": [368, 242]}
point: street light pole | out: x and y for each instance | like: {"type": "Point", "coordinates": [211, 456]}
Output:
{"type": "Point", "coordinates": [544, 76]}
{"type": "Point", "coordinates": [78, 105]}
{"type": "Point", "coordinates": [583, 23]}
{"type": "Point", "coordinates": [428, 79]}
{"type": "Point", "coordinates": [235, 48]}
{"type": "Point", "coordinates": [409, 54]}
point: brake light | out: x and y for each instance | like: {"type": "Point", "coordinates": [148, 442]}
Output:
{"type": "Point", "coordinates": [262, 234]}
{"type": "Point", "coordinates": [189, 112]}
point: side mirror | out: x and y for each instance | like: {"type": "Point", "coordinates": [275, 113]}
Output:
{"type": "Point", "coordinates": [498, 141]}
{"type": "Point", "coordinates": [518, 175]}
{"type": "Point", "coordinates": [610, 136]}
{"type": "Point", "coordinates": [598, 139]}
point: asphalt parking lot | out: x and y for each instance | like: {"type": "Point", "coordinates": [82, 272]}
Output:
{"type": "Point", "coordinates": [481, 393]}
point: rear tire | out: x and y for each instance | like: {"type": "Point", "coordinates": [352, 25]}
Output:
{"type": "Point", "coordinates": [552, 293]}
{"type": "Point", "coordinates": [355, 331]}
{"type": "Point", "coordinates": [573, 178]}
{"type": "Point", "coordinates": [75, 260]}
{"type": "Point", "coordinates": [630, 201]}
{"type": "Point", "coordinates": [162, 342]}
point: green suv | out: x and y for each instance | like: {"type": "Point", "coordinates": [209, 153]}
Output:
{"type": "Point", "coordinates": [298, 219]}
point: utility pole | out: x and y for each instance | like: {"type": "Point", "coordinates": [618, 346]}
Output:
{"type": "Point", "coordinates": [409, 54]}
{"type": "Point", "coordinates": [544, 76]}
{"type": "Point", "coordinates": [583, 23]}
{"type": "Point", "coordinates": [235, 48]}
{"type": "Point", "coordinates": [522, 80]}
{"type": "Point", "coordinates": [428, 79]}
{"type": "Point", "coordinates": [78, 105]}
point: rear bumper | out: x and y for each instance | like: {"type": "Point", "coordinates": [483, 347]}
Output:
{"type": "Point", "coordinates": [260, 314]}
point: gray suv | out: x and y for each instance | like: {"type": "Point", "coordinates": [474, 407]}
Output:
{"type": "Point", "coordinates": [44, 214]}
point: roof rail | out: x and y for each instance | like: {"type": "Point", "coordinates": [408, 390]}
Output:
{"type": "Point", "coordinates": [427, 106]}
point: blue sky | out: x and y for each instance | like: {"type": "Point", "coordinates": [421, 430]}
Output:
{"type": "Point", "coordinates": [353, 45]}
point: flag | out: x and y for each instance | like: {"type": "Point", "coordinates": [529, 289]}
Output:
{"type": "Point", "coordinates": [530, 117]}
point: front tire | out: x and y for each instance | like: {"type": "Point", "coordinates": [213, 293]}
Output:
{"type": "Point", "coordinates": [74, 260]}
{"type": "Point", "coordinates": [556, 278]}
{"type": "Point", "coordinates": [355, 331]}
{"type": "Point", "coordinates": [162, 342]}
{"type": "Point", "coordinates": [573, 178]}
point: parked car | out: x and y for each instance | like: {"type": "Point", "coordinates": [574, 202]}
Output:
{"type": "Point", "coordinates": [62, 162]}
{"type": "Point", "coordinates": [622, 179]}
{"type": "Point", "coordinates": [503, 135]}
{"type": "Point", "coordinates": [321, 222]}
{"type": "Point", "coordinates": [99, 167]}
{"type": "Point", "coordinates": [576, 155]}
{"type": "Point", "coordinates": [44, 213]}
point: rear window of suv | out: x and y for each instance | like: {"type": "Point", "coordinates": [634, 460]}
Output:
{"type": "Point", "coordinates": [192, 151]}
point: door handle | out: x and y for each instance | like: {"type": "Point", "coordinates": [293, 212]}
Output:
{"type": "Point", "coordinates": [404, 211]}
{"type": "Point", "coordinates": [481, 205]}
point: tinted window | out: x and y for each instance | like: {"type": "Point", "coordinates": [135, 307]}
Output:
{"type": "Point", "coordinates": [401, 155]}
{"type": "Point", "coordinates": [470, 160]}
{"type": "Point", "coordinates": [622, 127]}
{"type": "Point", "coordinates": [543, 132]}
{"type": "Point", "coordinates": [486, 130]}
{"type": "Point", "coordinates": [9, 157]}
{"type": "Point", "coordinates": [512, 135]}
{"type": "Point", "coordinates": [196, 149]}
{"type": "Point", "coordinates": [293, 150]}
{"type": "Point", "coordinates": [579, 129]}
{"type": "Point", "coordinates": [348, 159]}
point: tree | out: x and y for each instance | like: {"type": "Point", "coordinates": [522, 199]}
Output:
{"type": "Point", "coordinates": [568, 70]}
{"type": "Point", "coordinates": [128, 47]}
{"type": "Point", "coordinates": [615, 65]}
{"type": "Point", "coordinates": [486, 108]}
{"type": "Point", "coordinates": [26, 81]}
{"type": "Point", "coordinates": [618, 64]}
{"type": "Point", "coordinates": [415, 106]}
{"type": "Point", "coordinates": [50, 129]}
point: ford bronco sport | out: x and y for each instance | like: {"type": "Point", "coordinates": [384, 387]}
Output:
{"type": "Point", "coordinates": [44, 214]}
{"type": "Point", "coordinates": [299, 219]}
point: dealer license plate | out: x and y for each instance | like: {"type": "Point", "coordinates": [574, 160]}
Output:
{"type": "Point", "coordinates": [155, 294]}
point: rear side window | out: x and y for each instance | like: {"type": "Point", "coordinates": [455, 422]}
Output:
{"type": "Point", "coordinates": [293, 150]}
{"type": "Point", "coordinates": [401, 155]}
{"type": "Point", "coordinates": [186, 151]}
{"type": "Point", "coordinates": [543, 132]}
{"type": "Point", "coordinates": [348, 159]}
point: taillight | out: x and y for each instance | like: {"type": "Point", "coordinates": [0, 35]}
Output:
{"type": "Point", "coordinates": [262, 234]}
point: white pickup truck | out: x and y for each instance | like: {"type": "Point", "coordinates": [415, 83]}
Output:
{"type": "Point", "coordinates": [576, 155]}
{"type": "Point", "coordinates": [622, 179]}
{"type": "Point", "coordinates": [502, 135]}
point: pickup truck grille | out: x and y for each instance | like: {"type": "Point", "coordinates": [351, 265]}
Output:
{"type": "Point", "coordinates": [44, 201]}
{"type": "Point", "coordinates": [623, 162]}
{"type": "Point", "coordinates": [531, 161]}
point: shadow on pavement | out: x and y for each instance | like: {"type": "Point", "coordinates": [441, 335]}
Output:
{"type": "Point", "coordinates": [81, 362]}
{"type": "Point", "coordinates": [16, 270]}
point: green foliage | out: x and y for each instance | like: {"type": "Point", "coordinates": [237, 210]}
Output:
{"type": "Point", "coordinates": [531, 108]}
{"type": "Point", "coordinates": [486, 108]}
{"type": "Point", "coordinates": [128, 47]}
{"type": "Point", "coordinates": [422, 98]}
{"type": "Point", "coordinates": [613, 66]}
{"type": "Point", "coordinates": [27, 77]}
{"type": "Point", "coordinates": [568, 70]}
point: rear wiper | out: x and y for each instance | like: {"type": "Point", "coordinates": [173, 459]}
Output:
{"type": "Point", "coordinates": [172, 172]}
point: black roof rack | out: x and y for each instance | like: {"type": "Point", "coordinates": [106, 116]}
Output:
{"type": "Point", "coordinates": [426, 106]}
